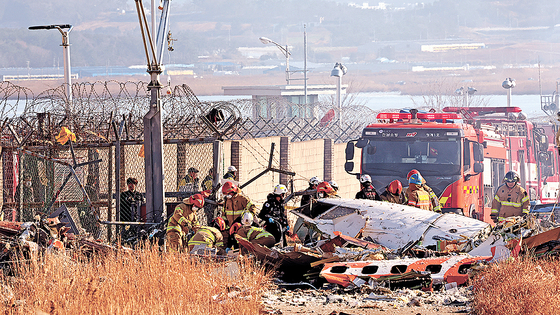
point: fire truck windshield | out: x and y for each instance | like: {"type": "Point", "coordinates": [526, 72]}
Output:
{"type": "Point", "coordinates": [397, 157]}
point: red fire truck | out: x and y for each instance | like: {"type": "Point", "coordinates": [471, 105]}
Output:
{"type": "Point", "coordinates": [463, 154]}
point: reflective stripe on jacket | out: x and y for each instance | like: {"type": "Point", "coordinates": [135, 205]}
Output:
{"type": "Point", "coordinates": [183, 217]}
{"type": "Point", "coordinates": [418, 197]}
{"type": "Point", "coordinates": [208, 236]}
{"type": "Point", "coordinates": [510, 202]}
{"type": "Point", "coordinates": [235, 206]}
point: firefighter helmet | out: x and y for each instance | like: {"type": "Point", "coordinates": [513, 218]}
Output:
{"type": "Point", "coordinates": [365, 179]}
{"type": "Point", "coordinates": [511, 177]}
{"type": "Point", "coordinates": [395, 187]}
{"type": "Point", "coordinates": [325, 187]}
{"type": "Point", "coordinates": [412, 172]}
{"type": "Point", "coordinates": [234, 228]}
{"type": "Point", "coordinates": [231, 169]}
{"type": "Point", "coordinates": [333, 184]}
{"type": "Point", "coordinates": [219, 223]}
{"type": "Point", "coordinates": [314, 181]}
{"type": "Point", "coordinates": [247, 219]}
{"type": "Point", "coordinates": [228, 188]}
{"type": "Point", "coordinates": [280, 190]}
{"type": "Point", "coordinates": [197, 200]}
{"type": "Point", "coordinates": [415, 179]}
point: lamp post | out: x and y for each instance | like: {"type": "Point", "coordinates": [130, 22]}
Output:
{"type": "Point", "coordinates": [338, 71]}
{"type": "Point", "coordinates": [508, 84]}
{"type": "Point", "coordinates": [66, 49]}
{"type": "Point", "coordinates": [284, 50]}
{"type": "Point", "coordinates": [465, 92]}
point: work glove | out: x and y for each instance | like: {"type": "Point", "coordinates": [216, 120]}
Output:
{"type": "Point", "coordinates": [494, 218]}
{"type": "Point", "coordinates": [270, 220]}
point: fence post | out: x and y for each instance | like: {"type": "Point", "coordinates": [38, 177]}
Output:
{"type": "Point", "coordinates": [236, 157]}
{"type": "Point", "coordinates": [110, 194]}
{"type": "Point", "coordinates": [284, 158]}
{"type": "Point", "coordinates": [217, 157]}
{"type": "Point", "coordinates": [328, 159]}
{"type": "Point", "coordinates": [181, 163]}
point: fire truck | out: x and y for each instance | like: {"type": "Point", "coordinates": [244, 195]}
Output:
{"type": "Point", "coordinates": [463, 154]}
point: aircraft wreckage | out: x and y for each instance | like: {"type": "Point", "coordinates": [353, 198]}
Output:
{"type": "Point", "coordinates": [391, 225]}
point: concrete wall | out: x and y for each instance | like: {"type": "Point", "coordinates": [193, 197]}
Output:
{"type": "Point", "coordinates": [306, 159]}
{"type": "Point", "coordinates": [349, 184]}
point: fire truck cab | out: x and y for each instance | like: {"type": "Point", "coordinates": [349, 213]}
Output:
{"type": "Point", "coordinates": [462, 158]}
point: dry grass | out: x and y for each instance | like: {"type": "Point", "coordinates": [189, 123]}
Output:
{"type": "Point", "coordinates": [523, 286]}
{"type": "Point", "coordinates": [142, 282]}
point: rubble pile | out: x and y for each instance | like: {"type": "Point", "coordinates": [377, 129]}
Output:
{"type": "Point", "coordinates": [369, 270]}
{"type": "Point", "coordinates": [26, 240]}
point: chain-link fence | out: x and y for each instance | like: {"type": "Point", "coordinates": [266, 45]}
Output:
{"type": "Point", "coordinates": [36, 170]}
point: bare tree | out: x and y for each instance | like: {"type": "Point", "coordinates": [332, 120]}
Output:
{"type": "Point", "coordinates": [445, 92]}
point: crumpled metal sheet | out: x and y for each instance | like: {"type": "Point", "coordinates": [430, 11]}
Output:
{"type": "Point", "coordinates": [391, 225]}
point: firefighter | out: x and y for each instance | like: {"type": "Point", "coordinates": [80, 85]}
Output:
{"type": "Point", "coordinates": [325, 190]}
{"type": "Point", "coordinates": [394, 193]}
{"type": "Point", "coordinates": [367, 190]}
{"type": "Point", "coordinates": [253, 234]}
{"type": "Point", "coordinates": [436, 206]}
{"type": "Point", "coordinates": [190, 182]}
{"type": "Point", "coordinates": [313, 183]}
{"type": "Point", "coordinates": [510, 200]}
{"type": "Point", "coordinates": [416, 195]}
{"type": "Point", "coordinates": [183, 221]}
{"type": "Point", "coordinates": [231, 173]}
{"type": "Point", "coordinates": [273, 213]}
{"type": "Point", "coordinates": [236, 204]}
{"type": "Point", "coordinates": [208, 180]}
{"type": "Point", "coordinates": [334, 185]}
{"type": "Point", "coordinates": [210, 237]}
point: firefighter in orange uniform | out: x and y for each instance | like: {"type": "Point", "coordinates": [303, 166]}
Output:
{"type": "Point", "coordinates": [510, 200]}
{"type": "Point", "coordinates": [255, 235]}
{"type": "Point", "coordinates": [436, 206]}
{"type": "Point", "coordinates": [183, 220]}
{"type": "Point", "coordinates": [416, 195]}
{"type": "Point", "coordinates": [210, 237]}
{"type": "Point", "coordinates": [394, 193]}
{"type": "Point", "coordinates": [236, 204]}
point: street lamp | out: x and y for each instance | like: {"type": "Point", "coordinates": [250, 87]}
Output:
{"type": "Point", "coordinates": [338, 71]}
{"type": "Point", "coordinates": [465, 92]}
{"type": "Point", "coordinates": [508, 84]}
{"type": "Point", "coordinates": [284, 50]}
{"type": "Point", "coordinates": [66, 49]}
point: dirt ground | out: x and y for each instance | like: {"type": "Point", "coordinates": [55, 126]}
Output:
{"type": "Point", "coordinates": [342, 310]}
{"type": "Point", "coordinates": [357, 302]}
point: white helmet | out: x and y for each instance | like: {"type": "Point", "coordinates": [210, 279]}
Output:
{"type": "Point", "coordinates": [247, 219]}
{"type": "Point", "coordinates": [314, 180]}
{"type": "Point", "coordinates": [231, 169]}
{"type": "Point", "coordinates": [333, 184]}
{"type": "Point", "coordinates": [365, 179]}
{"type": "Point", "coordinates": [280, 189]}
